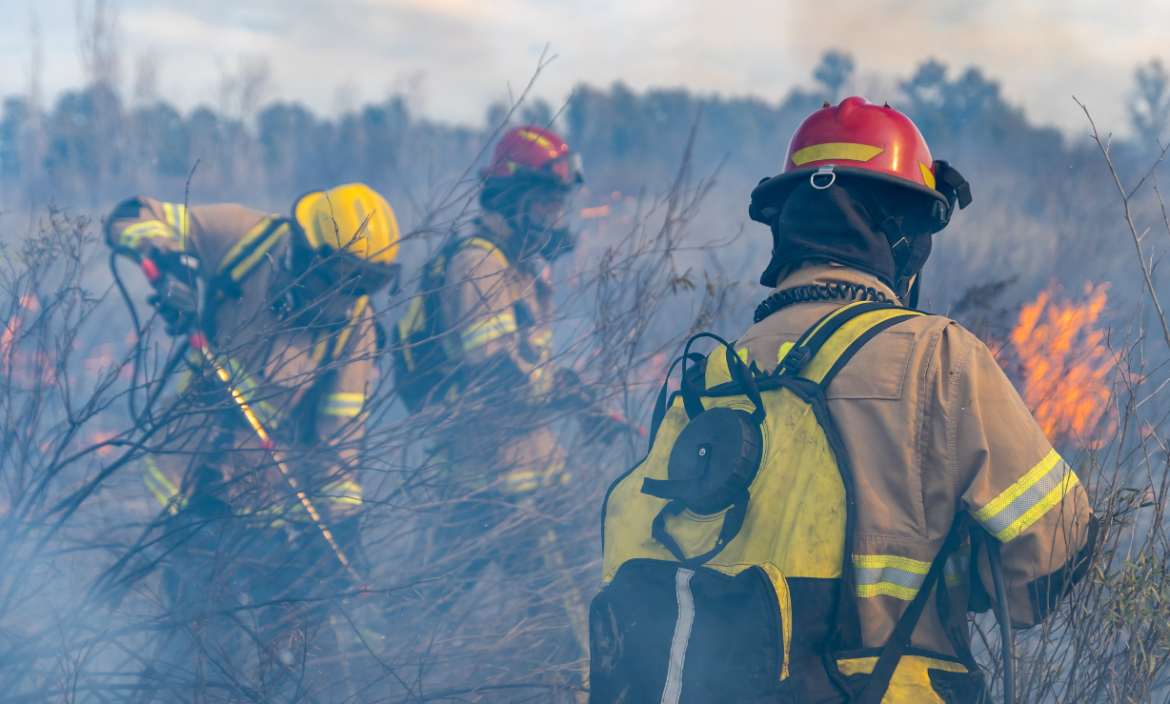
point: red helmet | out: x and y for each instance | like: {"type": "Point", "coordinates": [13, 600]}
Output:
{"type": "Point", "coordinates": [532, 152]}
{"type": "Point", "coordinates": [857, 138]}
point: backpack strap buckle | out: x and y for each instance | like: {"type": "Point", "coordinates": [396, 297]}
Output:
{"type": "Point", "coordinates": [796, 358]}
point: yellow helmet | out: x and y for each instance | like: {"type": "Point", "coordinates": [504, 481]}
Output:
{"type": "Point", "coordinates": [354, 231]}
{"type": "Point", "coordinates": [352, 219]}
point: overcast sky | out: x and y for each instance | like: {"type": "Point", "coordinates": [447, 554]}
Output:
{"type": "Point", "coordinates": [455, 56]}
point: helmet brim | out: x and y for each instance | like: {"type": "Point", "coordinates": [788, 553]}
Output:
{"type": "Point", "coordinates": [769, 196]}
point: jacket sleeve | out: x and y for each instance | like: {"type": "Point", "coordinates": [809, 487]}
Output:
{"type": "Point", "coordinates": [479, 317]}
{"type": "Point", "coordinates": [340, 413]}
{"type": "Point", "coordinates": [142, 224]}
{"type": "Point", "coordinates": [1017, 487]}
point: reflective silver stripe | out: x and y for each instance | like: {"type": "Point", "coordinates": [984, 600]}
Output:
{"type": "Point", "coordinates": [1016, 509]}
{"type": "Point", "coordinates": [682, 635]}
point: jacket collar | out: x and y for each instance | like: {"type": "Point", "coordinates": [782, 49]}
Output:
{"type": "Point", "coordinates": [817, 274]}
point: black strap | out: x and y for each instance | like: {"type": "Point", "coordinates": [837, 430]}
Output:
{"type": "Point", "coordinates": [815, 337]}
{"type": "Point", "coordinates": [948, 175]}
{"type": "Point", "coordinates": [743, 376]}
{"type": "Point", "coordinates": [690, 394]}
{"type": "Point", "coordinates": [660, 405]}
{"type": "Point", "coordinates": [883, 670]}
{"type": "Point", "coordinates": [732, 523]}
{"type": "Point", "coordinates": [857, 344]}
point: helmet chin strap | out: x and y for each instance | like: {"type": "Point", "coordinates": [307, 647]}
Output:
{"type": "Point", "coordinates": [908, 259]}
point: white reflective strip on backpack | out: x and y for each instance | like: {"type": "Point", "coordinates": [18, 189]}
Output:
{"type": "Point", "coordinates": [682, 635]}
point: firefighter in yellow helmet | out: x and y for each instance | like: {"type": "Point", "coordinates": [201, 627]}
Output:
{"type": "Point", "coordinates": [825, 499]}
{"type": "Point", "coordinates": [260, 441]}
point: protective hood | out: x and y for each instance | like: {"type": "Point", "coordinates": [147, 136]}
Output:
{"type": "Point", "coordinates": [834, 225]}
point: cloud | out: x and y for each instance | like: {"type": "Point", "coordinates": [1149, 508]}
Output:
{"type": "Point", "coordinates": [1042, 51]}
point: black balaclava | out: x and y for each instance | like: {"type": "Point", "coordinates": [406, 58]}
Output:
{"type": "Point", "coordinates": [834, 224]}
{"type": "Point", "coordinates": [506, 197]}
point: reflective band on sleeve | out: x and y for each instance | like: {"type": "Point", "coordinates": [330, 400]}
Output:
{"type": "Point", "coordinates": [161, 487]}
{"type": "Point", "coordinates": [523, 481]}
{"type": "Point", "coordinates": [682, 636]}
{"type": "Point", "coordinates": [902, 577]}
{"type": "Point", "coordinates": [149, 230]}
{"type": "Point", "coordinates": [479, 334]}
{"type": "Point", "coordinates": [345, 405]}
{"type": "Point", "coordinates": [342, 493]}
{"type": "Point", "coordinates": [1024, 502]}
{"type": "Point", "coordinates": [177, 218]}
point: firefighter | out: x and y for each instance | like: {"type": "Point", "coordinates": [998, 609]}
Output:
{"type": "Point", "coordinates": [473, 352]}
{"type": "Point", "coordinates": [823, 499]}
{"type": "Point", "coordinates": [261, 440]}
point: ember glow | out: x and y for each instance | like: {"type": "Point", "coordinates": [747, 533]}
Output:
{"type": "Point", "coordinates": [1061, 362]}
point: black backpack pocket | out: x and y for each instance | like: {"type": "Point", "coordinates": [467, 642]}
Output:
{"type": "Point", "coordinates": [666, 632]}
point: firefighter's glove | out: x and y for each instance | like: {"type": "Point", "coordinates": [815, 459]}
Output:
{"type": "Point", "coordinates": [602, 425]}
{"type": "Point", "coordinates": [176, 301]}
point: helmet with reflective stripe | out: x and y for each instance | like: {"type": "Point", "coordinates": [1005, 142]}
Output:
{"type": "Point", "coordinates": [351, 219]}
{"type": "Point", "coordinates": [354, 231]}
{"type": "Point", "coordinates": [856, 138]}
{"type": "Point", "coordinates": [535, 153]}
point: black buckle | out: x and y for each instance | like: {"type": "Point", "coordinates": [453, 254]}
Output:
{"type": "Point", "coordinates": [795, 359]}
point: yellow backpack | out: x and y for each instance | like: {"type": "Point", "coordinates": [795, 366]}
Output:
{"type": "Point", "coordinates": [424, 368]}
{"type": "Point", "coordinates": [727, 552]}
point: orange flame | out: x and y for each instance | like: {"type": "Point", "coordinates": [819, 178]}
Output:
{"type": "Point", "coordinates": [1062, 361]}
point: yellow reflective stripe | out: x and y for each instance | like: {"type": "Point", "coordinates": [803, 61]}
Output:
{"type": "Point", "coordinates": [346, 405]}
{"type": "Point", "coordinates": [836, 150]}
{"type": "Point", "coordinates": [519, 481]}
{"type": "Point", "coordinates": [238, 248]}
{"type": "Point", "coordinates": [161, 487]}
{"type": "Point", "coordinates": [177, 218]}
{"type": "Point", "coordinates": [151, 229]}
{"type": "Point", "coordinates": [902, 577]}
{"type": "Point", "coordinates": [245, 267]}
{"type": "Point", "coordinates": [1023, 503]}
{"type": "Point", "coordinates": [342, 493]}
{"type": "Point", "coordinates": [927, 176]}
{"type": "Point", "coordinates": [481, 333]}
{"type": "Point", "coordinates": [354, 317]}
{"type": "Point", "coordinates": [536, 137]}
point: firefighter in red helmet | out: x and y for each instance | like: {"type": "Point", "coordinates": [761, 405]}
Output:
{"type": "Point", "coordinates": [823, 500]}
{"type": "Point", "coordinates": [474, 349]}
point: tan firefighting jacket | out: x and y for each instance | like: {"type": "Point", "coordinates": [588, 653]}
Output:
{"type": "Point", "coordinates": [306, 374]}
{"type": "Point", "coordinates": [933, 426]}
{"type": "Point", "coordinates": [490, 306]}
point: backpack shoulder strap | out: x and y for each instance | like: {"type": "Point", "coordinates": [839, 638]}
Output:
{"type": "Point", "coordinates": [828, 345]}
{"type": "Point", "coordinates": [249, 251]}
{"type": "Point", "coordinates": [485, 244]}
{"type": "Point", "coordinates": [883, 670]}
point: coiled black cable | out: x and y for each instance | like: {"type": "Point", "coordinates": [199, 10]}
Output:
{"type": "Point", "coordinates": [818, 292]}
